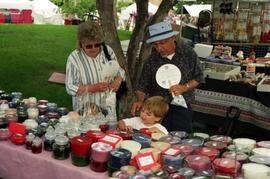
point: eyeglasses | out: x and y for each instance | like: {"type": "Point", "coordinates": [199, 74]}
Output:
{"type": "Point", "coordinates": [90, 46]}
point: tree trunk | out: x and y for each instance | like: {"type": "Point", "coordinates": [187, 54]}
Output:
{"type": "Point", "coordinates": [133, 64]}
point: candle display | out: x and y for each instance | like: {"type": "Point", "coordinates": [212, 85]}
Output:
{"type": "Point", "coordinates": [226, 166]}
{"type": "Point", "coordinates": [253, 170]}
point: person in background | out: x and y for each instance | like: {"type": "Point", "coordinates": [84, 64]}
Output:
{"type": "Point", "coordinates": [153, 111]}
{"type": "Point", "coordinates": [87, 79]}
{"type": "Point", "coordinates": [168, 51]}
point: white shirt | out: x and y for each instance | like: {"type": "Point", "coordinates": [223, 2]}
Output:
{"type": "Point", "coordinates": [136, 123]}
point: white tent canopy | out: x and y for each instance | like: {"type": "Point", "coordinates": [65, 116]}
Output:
{"type": "Point", "coordinates": [15, 4]}
{"type": "Point", "coordinates": [132, 9]}
{"type": "Point", "coordinates": [45, 12]}
{"type": "Point", "coordinates": [195, 9]}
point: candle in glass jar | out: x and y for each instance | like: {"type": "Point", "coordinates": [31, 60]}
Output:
{"type": "Point", "coordinates": [29, 141]}
{"type": "Point", "coordinates": [36, 145]}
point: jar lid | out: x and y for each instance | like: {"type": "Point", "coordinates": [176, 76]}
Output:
{"type": "Point", "coordinates": [61, 140]}
{"type": "Point", "coordinates": [30, 137]}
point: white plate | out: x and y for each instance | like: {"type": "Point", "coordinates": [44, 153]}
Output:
{"type": "Point", "coordinates": [168, 75]}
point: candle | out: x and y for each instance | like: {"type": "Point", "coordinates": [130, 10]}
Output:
{"type": "Point", "coordinates": [265, 144]}
{"type": "Point", "coordinates": [216, 145]}
{"type": "Point", "coordinates": [261, 151]}
{"type": "Point", "coordinates": [226, 166]}
{"type": "Point", "coordinates": [156, 152]}
{"type": "Point", "coordinates": [188, 173]}
{"type": "Point", "coordinates": [95, 135]}
{"type": "Point", "coordinates": [32, 113]}
{"type": "Point", "coordinates": [100, 152]}
{"type": "Point", "coordinates": [221, 138]}
{"type": "Point", "coordinates": [173, 140]}
{"type": "Point", "coordinates": [51, 107]}
{"type": "Point", "coordinates": [132, 146]}
{"type": "Point", "coordinates": [143, 139]}
{"type": "Point", "coordinates": [239, 156]}
{"type": "Point", "coordinates": [185, 149]}
{"type": "Point", "coordinates": [194, 142]}
{"type": "Point", "coordinates": [202, 135]}
{"type": "Point", "coordinates": [119, 157]}
{"type": "Point", "coordinates": [61, 147]}
{"type": "Point", "coordinates": [209, 152]}
{"type": "Point", "coordinates": [80, 146]}
{"type": "Point", "coordinates": [18, 138]}
{"type": "Point", "coordinates": [42, 102]}
{"type": "Point", "coordinates": [180, 134]}
{"type": "Point", "coordinates": [98, 166]}
{"type": "Point", "coordinates": [42, 109]}
{"type": "Point", "coordinates": [245, 143]}
{"type": "Point", "coordinates": [160, 145]}
{"type": "Point", "coordinates": [198, 162]}
{"type": "Point", "coordinates": [174, 161]}
{"type": "Point", "coordinates": [36, 145]}
{"type": "Point", "coordinates": [145, 131]}
{"type": "Point", "coordinates": [79, 161]}
{"type": "Point", "coordinates": [29, 141]}
{"type": "Point", "coordinates": [260, 159]}
{"type": "Point", "coordinates": [253, 170]}
{"type": "Point", "coordinates": [4, 134]}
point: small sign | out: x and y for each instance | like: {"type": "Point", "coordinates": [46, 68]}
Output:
{"type": "Point", "coordinates": [111, 139]}
{"type": "Point", "coordinates": [145, 161]}
{"type": "Point", "coordinates": [171, 151]}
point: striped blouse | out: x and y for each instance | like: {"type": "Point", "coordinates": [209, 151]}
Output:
{"type": "Point", "coordinates": [82, 69]}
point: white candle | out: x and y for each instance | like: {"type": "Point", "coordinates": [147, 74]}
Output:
{"type": "Point", "coordinates": [132, 146]}
{"type": "Point", "coordinates": [261, 151]}
{"type": "Point", "coordinates": [245, 142]}
{"type": "Point", "coordinates": [253, 170]}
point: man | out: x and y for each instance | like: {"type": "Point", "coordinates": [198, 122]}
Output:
{"type": "Point", "coordinates": [168, 51]}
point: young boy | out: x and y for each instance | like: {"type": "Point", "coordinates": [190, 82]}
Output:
{"type": "Point", "coordinates": [153, 110]}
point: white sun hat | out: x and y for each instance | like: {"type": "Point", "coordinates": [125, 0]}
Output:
{"type": "Point", "coordinates": [160, 31]}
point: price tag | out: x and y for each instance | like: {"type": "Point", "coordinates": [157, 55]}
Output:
{"type": "Point", "coordinates": [171, 151]}
{"type": "Point", "coordinates": [145, 161]}
{"type": "Point", "coordinates": [111, 139]}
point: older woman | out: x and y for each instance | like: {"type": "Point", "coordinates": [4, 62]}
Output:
{"type": "Point", "coordinates": [89, 76]}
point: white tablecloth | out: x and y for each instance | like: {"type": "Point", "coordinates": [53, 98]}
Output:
{"type": "Point", "coordinates": [18, 163]}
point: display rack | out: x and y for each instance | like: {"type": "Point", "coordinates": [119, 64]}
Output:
{"type": "Point", "coordinates": [241, 21]}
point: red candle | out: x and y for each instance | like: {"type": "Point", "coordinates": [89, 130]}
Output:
{"type": "Point", "coordinates": [198, 162]}
{"type": "Point", "coordinates": [185, 149]}
{"type": "Point", "coordinates": [94, 135]}
{"type": "Point", "coordinates": [100, 152]}
{"type": "Point", "coordinates": [80, 146]}
{"type": "Point", "coordinates": [18, 138]}
{"type": "Point", "coordinates": [146, 131]}
{"type": "Point", "coordinates": [226, 166]}
{"type": "Point", "coordinates": [209, 152]}
{"type": "Point", "coordinates": [216, 145]}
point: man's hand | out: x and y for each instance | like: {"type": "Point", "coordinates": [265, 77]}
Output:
{"type": "Point", "coordinates": [136, 107]}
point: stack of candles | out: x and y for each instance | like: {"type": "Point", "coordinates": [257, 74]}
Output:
{"type": "Point", "coordinates": [198, 162]}
{"type": "Point", "coordinates": [253, 170]}
{"type": "Point", "coordinates": [80, 150]}
{"type": "Point", "coordinates": [99, 156]}
{"type": "Point", "coordinates": [143, 139]}
{"type": "Point", "coordinates": [226, 166]}
{"type": "Point", "coordinates": [118, 158]}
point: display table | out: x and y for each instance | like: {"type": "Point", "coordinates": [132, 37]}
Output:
{"type": "Point", "coordinates": [215, 96]}
{"type": "Point", "coordinates": [18, 162]}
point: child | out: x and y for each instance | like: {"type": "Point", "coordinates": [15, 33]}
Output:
{"type": "Point", "coordinates": [154, 109]}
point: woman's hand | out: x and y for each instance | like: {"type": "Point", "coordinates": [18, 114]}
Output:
{"type": "Point", "coordinates": [114, 86]}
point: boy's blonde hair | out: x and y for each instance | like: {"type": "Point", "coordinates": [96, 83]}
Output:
{"type": "Point", "coordinates": [157, 105]}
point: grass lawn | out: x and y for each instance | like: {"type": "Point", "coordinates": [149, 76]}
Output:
{"type": "Point", "coordinates": [29, 54]}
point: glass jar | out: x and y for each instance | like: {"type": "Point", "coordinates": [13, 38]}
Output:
{"type": "Point", "coordinates": [29, 141]}
{"type": "Point", "coordinates": [61, 147]}
{"type": "Point", "coordinates": [37, 145]}
{"type": "Point", "coordinates": [11, 115]}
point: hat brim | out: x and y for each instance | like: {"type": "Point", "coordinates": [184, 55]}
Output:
{"type": "Point", "coordinates": [161, 37]}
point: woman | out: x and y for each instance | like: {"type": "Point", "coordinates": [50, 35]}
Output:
{"type": "Point", "coordinates": [90, 76]}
